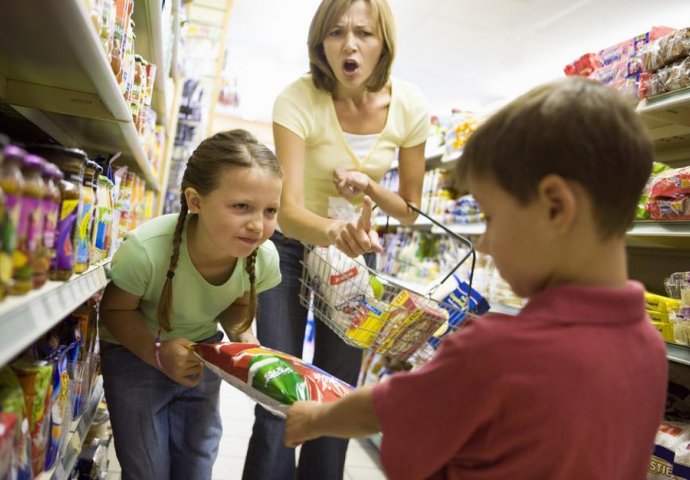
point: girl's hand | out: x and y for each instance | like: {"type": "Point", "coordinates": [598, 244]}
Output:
{"type": "Point", "coordinates": [350, 183]}
{"type": "Point", "coordinates": [299, 424]}
{"type": "Point", "coordinates": [356, 238]}
{"type": "Point", "coordinates": [245, 337]}
{"type": "Point", "coordinates": [179, 362]}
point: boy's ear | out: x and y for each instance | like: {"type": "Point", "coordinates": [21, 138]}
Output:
{"type": "Point", "coordinates": [559, 201]}
{"type": "Point", "coordinates": [193, 200]}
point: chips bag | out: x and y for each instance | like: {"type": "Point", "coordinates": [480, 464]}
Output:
{"type": "Point", "coordinates": [271, 378]}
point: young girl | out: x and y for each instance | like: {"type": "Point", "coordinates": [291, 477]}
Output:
{"type": "Point", "coordinates": [174, 279]}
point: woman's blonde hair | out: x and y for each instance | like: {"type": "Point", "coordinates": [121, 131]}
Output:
{"type": "Point", "coordinates": [328, 13]}
{"type": "Point", "coordinates": [232, 149]}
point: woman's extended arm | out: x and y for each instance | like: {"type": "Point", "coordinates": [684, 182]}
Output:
{"type": "Point", "coordinates": [411, 166]}
{"type": "Point", "coordinates": [298, 222]}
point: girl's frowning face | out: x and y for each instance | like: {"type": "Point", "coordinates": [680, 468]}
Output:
{"type": "Point", "coordinates": [242, 212]}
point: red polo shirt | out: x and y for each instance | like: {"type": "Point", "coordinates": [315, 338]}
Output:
{"type": "Point", "coordinates": [571, 388]}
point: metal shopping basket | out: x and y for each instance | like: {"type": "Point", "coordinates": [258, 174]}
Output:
{"type": "Point", "coordinates": [373, 309]}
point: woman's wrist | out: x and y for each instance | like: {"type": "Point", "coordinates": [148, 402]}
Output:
{"type": "Point", "coordinates": [332, 231]}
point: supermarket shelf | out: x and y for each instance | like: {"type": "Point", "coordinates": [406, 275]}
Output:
{"type": "Point", "coordinates": [638, 229]}
{"type": "Point", "coordinates": [24, 318]}
{"type": "Point", "coordinates": [443, 160]}
{"type": "Point", "coordinates": [78, 429]}
{"type": "Point", "coordinates": [148, 19]}
{"type": "Point", "coordinates": [672, 107]}
{"type": "Point", "coordinates": [678, 353]}
{"type": "Point", "coordinates": [660, 229]}
{"type": "Point", "coordinates": [420, 222]}
{"type": "Point", "coordinates": [436, 159]}
{"type": "Point", "coordinates": [463, 229]}
{"type": "Point", "coordinates": [668, 119]}
{"type": "Point", "coordinates": [57, 75]}
{"type": "Point", "coordinates": [505, 309]}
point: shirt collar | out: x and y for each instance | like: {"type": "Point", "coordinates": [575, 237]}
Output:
{"type": "Point", "coordinates": [584, 304]}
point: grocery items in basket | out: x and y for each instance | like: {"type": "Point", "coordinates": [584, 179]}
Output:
{"type": "Point", "coordinates": [271, 378]}
{"type": "Point", "coordinates": [341, 281]}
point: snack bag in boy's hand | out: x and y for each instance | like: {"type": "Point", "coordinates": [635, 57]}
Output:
{"type": "Point", "coordinates": [274, 379]}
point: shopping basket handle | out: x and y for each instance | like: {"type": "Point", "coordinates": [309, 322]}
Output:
{"type": "Point", "coordinates": [471, 252]}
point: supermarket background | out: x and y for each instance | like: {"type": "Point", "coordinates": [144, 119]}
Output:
{"type": "Point", "coordinates": [136, 84]}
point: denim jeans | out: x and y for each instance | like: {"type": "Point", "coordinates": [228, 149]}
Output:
{"type": "Point", "coordinates": [281, 321]}
{"type": "Point", "coordinates": [162, 429]}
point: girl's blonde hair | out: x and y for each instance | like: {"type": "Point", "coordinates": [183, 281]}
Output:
{"type": "Point", "coordinates": [327, 14]}
{"type": "Point", "coordinates": [235, 148]}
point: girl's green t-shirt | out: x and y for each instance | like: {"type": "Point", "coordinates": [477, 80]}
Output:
{"type": "Point", "coordinates": [140, 265]}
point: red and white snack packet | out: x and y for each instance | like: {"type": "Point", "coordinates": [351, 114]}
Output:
{"type": "Point", "coordinates": [271, 378]}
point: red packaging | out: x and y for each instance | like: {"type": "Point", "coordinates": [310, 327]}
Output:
{"type": "Point", "coordinates": [8, 422]}
{"type": "Point", "coordinates": [584, 65]}
{"type": "Point", "coordinates": [671, 183]}
{"type": "Point", "coordinates": [271, 378]}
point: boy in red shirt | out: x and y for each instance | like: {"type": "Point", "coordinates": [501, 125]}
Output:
{"type": "Point", "coordinates": [573, 387]}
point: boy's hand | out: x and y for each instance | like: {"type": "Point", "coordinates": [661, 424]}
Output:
{"type": "Point", "coordinates": [356, 238]}
{"type": "Point", "coordinates": [179, 362]}
{"type": "Point", "coordinates": [350, 183]}
{"type": "Point", "coordinates": [299, 424]}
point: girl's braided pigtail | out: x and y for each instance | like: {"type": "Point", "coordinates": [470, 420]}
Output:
{"type": "Point", "coordinates": [246, 322]}
{"type": "Point", "coordinates": [165, 302]}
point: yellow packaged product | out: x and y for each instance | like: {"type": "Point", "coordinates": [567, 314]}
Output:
{"type": "Point", "coordinates": [658, 316]}
{"type": "Point", "coordinates": [370, 319]}
{"type": "Point", "coordinates": [659, 303]}
{"type": "Point", "coordinates": [666, 330]}
{"type": "Point", "coordinates": [405, 335]}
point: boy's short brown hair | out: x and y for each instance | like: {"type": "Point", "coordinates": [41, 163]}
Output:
{"type": "Point", "coordinates": [576, 128]}
{"type": "Point", "coordinates": [328, 13]}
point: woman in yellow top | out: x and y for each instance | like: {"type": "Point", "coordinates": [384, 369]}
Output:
{"type": "Point", "coordinates": [336, 132]}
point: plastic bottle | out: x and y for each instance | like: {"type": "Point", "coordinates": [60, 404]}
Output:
{"type": "Point", "coordinates": [71, 162]}
{"type": "Point", "coordinates": [104, 220]}
{"type": "Point", "coordinates": [85, 219]}
{"type": "Point", "coordinates": [12, 183]}
{"type": "Point", "coordinates": [51, 209]}
{"type": "Point", "coordinates": [41, 257]}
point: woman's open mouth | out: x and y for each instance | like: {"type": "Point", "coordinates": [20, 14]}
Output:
{"type": "Point", "coordinates": [350, 67]}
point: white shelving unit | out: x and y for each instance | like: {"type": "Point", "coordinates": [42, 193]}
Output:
{"type": "Point", "coordinates": [148, 19]}
{"type": "Point", "coordinates": [668, 119]}
{"type": "Point", "coordinates": [78, 430]}
{"type": "Point", "coordinates": [668, 229]}
{"type": "Point", "coordinates": [678, 353]}
{"type": "Point", "coordinates": [57, 75]}
{"type": "Point", "coordinates": [25, 318]}
{"type": "Point", "coordinates": [421, 222]}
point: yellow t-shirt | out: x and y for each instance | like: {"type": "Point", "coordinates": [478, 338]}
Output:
{"type": "Point", "coordinates": [310, 114]}
{"type": "Point", "coordinates": [139, 267]}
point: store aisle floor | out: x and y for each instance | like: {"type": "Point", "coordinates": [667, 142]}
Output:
{"type": "Point", "coordinates": [237, 411]}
